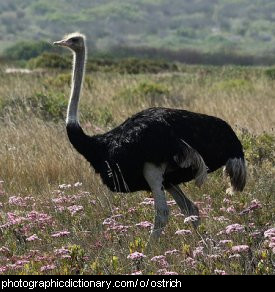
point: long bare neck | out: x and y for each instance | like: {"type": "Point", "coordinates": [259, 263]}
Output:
{"type": "Point", "coordinates": [77, 78]}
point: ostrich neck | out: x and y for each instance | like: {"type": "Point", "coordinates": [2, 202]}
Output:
{"type": "Point", "coordinates": [77, 78]}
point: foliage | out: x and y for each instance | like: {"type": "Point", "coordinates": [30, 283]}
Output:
{"type": "Point", "coordinates": [148, 93]}
{"type": "Point", "coordinates": [137, 66]}
{"type": "Point", "coordinates": [260, 148]}
{"type": "Point", "coordinates": [206, 25]}
{"type": "Point", "coordinates": [122, 66]}
{"type": "Point", "coordinates": [26, 50]}
{"type": "Point", "coordinates": [270, 73]}
{"type": "Point", "coordinates": [49, 60]}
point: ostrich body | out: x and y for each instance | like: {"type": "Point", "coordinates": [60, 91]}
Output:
{"type": "Point", "coordinates": [155, 149]}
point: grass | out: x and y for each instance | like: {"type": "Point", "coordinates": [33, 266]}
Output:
{"type": "Point", "coordinates": [57, 218]}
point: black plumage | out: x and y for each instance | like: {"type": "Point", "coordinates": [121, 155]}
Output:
{"type": "Point", "coordinates": [156, 135]}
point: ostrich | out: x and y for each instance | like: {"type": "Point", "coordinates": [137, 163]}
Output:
{"type": "Point", "coordinates": [156, 149]}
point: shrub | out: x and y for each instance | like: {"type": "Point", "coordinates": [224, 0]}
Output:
{"type": "Point", "coordinates": [234, 85]}
{"type": "Point", "coordinates": [151, 93]}
{"type": "Point", "coordinates": [26, 50]}
{"type": "Point", "coordinates": [101, 116]}
{"type": "Point", "coordinates": [49, 60]}
{"type": "Point", "coordinates": [258, 148]}
{"type": "Point", "coordinates": [50, 107]}
{"type": "Point", "coordinates": [270, 73]}
{"type": "Point", "coordinates": [137, 66]}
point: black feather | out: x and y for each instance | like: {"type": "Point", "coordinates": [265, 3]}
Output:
{"type": "Point", "coordinates": [156, 135]}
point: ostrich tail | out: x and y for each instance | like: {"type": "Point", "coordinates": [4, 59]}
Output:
{"type": "Point", "coordinates": [236, 170]}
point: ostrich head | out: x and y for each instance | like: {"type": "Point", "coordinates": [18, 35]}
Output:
{"type": "Point", "coordinates": [74, 41]}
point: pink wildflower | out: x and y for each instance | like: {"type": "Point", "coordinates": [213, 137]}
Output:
{"type": "Point", "coordinates": [230, 209]}
{"type": "Point", "coordinates": [213, 256]}
{"type": "Point", "coordinates": [78, 184]}
{"type": "Point", "coordinates": [170, 273]}
{"type": "Point", "coordinates": [3, 269]}
{"type": "Point", "coordinates": [64, 186]}
{"type": "Point", "coordinates": [120, 228]}
{"type": "Point", "coordinates": [137, 273]}
{"type": "Point", "coordinates": [220, 272]}
{"type": "Point", "coordinates": [5, 250]}
{"type": "Point", "coordinates": [145, 224]}
{"type": "Point", "coordinates": [198, 251]}
{"type": "Point", "coordinates": [62, 252]}
{"type": "Point", "coordinates": [48, 268]}
{"type": "Point", "coordinates": [225, 242]}
{"type": "Point", "coordinates": [234, 256]}
{"type": "Point", "coordinates": [42, 219]}
{"type": "Point", "coordinates": [161, 261]}
{"type": "Point", "coordinates": [75, 208]}
{"type": "Point", "coordinates": [161, 271]}
{"type": "Point", "coordinates": [109, 221]}
{"type": "Point", "coordinates": [14, 219]}
{"type": "Point", "coordinates": [61, 200]}
{"type": "Point", "coordinates": [171, 252]}
{"type": "Point", "coordinates": [93, 202]}
{"type": "Point", "coordinates": [269, 233]}
{"type": "Point", "coordinates": [254, 205]}
{"type": "Point", "coordinates": [183, 232]}
{"type": "Point", "coordinates": [227, 201]}
{"type": "Point", "coordinates": [190, 262]}
{"type": "Point", "coordinates": [32, 238]}
{"type": "Point", "coordinates": [21, 263]}
{"type": "Point", "coordinates": [136, 256]}
{"type": "Point", "coordinates": [17, 201]}
{"type": "Point", "coordinates": [255, 234]}
{"type": "Point", "coordinates": [132, 210]}
{"type": "Point", "coordinates": [148, 201]}
{"type": "Point", "coordinates": [240, 248]}
{"type": "Point", "coordinates": [158, 258]}
{"type": "Point", "coordinates": [234, 228]}
{"type": "Point", "coordinates": [221, 219]}
{"type": "Point", "coordinates": [61, 233]}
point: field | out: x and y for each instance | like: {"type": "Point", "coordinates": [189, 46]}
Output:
{"type": "Point", "coordinates": [57, 218]}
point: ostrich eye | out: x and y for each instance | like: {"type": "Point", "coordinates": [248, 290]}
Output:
{"type": "Point", "coordinates": [74, 40]}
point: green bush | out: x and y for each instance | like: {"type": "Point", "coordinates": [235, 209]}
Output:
{"type": "Point", "coordinates": [270, 73]}
{"type": "Point", "coordinates": [150, 93]}
{"type": "Point", "coordinates": [26, 50]}
{"type": "Point", "coordinates": [234, 85]}
{"type": "Point", "coordinates": [49, 107]}
{"type": "Point", "coordinates": [137, 66]}
{"type": "Point", "coordinates": [129, 65]}
{"type": "Point", "coordinates": [50, 60]}
{"type": "Point", "coordinates": [258, 148]}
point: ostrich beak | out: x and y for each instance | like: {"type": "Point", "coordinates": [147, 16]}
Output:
{"type": "Point", "coordinates": [61, 43]}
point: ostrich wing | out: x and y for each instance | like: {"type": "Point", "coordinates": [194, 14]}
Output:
{"type": "Point", "coordinates": [189, 157]}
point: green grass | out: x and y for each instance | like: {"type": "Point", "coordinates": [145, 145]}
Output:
{"type": "Point", "coordinates": [39, 172]}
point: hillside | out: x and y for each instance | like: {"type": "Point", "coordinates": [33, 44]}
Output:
{"type": "Point", "coordinates": [240, 25]}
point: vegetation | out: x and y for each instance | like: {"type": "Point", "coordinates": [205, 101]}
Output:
{"type": "Point", "coordinates": [207, 25]}
{"type": "Point", "coordinates": [56, 217]}
{"type": "Point", "coordinates": [26, 50]}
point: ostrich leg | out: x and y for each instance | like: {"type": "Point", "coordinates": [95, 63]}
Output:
{"type": "Point", "coordinates": [187, 206]}
{"type": "Point", "coordinates": [154, 176]}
